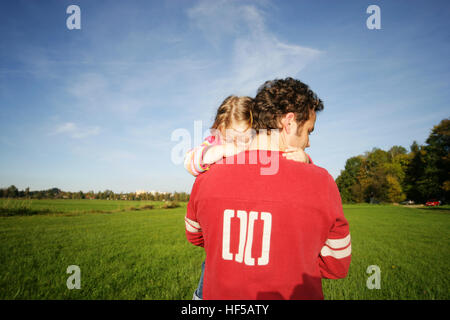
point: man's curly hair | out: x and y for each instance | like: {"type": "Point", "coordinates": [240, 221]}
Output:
{"type": "Point", "coordinates": [280, 96]}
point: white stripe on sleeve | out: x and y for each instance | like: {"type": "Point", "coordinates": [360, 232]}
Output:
{"type": "Point", "coordinates": [338, 254]}
{"type": "Point", "coordinates": [338, 243]}
{"type": "Point", "coordinates": [193, 223]}
{"type": "Point", "coordinates": [191, 228]}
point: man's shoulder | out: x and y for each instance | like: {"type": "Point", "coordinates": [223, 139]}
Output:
{"type": "Point", "coordinates": [309, 169]}
{"type": "Point", "coordinates": [321, 172]}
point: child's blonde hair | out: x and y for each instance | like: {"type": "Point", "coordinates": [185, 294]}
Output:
{"type": "Point", "coordinates": [233, 108]}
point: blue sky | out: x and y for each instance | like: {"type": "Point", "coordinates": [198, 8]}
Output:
{"type": "Point", "coordinates": [95, 108]}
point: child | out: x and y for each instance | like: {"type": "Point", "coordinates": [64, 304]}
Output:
{"type": "Point", "coordinates": [231, 134]}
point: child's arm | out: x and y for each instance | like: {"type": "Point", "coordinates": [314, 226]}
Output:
{"type": "Point", "coordinates": [217, 152]}
{"type": "Point", "coordinates": [200, 158]}
{"type": "Point", "coordinates": [213, 154]}
{"type": "Point", "coordinates": [193, 160]}
{"type": "Point", "coordinates": [297, 155]}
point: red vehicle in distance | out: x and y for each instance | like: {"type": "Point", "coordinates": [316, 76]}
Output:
{"type": "Point", "coordinates": [433, 203]}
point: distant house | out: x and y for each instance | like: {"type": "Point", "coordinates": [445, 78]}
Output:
{"type": "Point", "coordinates": [139, 192]}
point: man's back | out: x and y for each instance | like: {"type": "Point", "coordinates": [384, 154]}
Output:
{"type": "Point", "coordinates": [268, 236]}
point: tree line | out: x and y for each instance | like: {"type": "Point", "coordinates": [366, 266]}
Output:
{"type": "Point", "coordinates": [395, 175]}
{"type": "Point", "coordinates": [55, 193]}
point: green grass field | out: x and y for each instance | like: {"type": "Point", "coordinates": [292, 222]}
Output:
{"type": "Point", "coordinates": [143, 254]}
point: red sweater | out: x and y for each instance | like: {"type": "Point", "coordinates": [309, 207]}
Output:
{"type": "Point", "coordinates": [268, 236]}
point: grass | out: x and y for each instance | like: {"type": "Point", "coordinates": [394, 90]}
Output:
{"type": "Point", "coordinates": [411, 247]}
{"type": "Point", "coordinates": [26, 207]}
{"type": "Point", "coordinates": [143, 254]}
{"type": "Point", "coordinates": [122, 255]}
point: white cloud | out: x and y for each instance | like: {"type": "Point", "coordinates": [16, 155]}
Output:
{"type": "Point", "coordinates": [74, 131]}
{"type": "Point", "coordinates": [256, 53]}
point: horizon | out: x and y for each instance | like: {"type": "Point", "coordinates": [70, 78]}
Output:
{"type": "Point", "coordinates": [95, 191]}
{"type": "Point", "coordinates": [96, 108]}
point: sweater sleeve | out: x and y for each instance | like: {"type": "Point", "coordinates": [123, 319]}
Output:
{"type": "Point", "coordinates": [194, 232]}
{"type": "Point", "coordinates": [193, 160]}
{"type": "Point", "coordinates": [335, 255]}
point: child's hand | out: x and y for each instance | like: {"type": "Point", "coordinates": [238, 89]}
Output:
{"type": "Point", "coordinates": [296, 155]}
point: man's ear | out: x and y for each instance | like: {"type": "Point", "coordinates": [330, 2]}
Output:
{"type": "Point", "coordinates": [286, 121]}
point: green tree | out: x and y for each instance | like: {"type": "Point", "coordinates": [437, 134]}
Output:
{"type": "Point", "coordinates": [12, 192]}
{"type": "Point", "coordinates": [394, 191]}
{"type": "Point", "coordinates": [428, 171]}
{"type": "Point", "coordinates": [439, 150]}
{"type": "Point", "coordinates": [348, 178]}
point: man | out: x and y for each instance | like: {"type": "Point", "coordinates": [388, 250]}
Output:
{"type": "Point", "coordinates": [271, 236]}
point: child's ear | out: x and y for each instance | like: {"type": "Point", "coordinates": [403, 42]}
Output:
{"type": "Point", "coordinates": [220, 130]}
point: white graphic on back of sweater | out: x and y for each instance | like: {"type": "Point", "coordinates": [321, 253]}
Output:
{"type": "Point", "coordinates": [246, 227]}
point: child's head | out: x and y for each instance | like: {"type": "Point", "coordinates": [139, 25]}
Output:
{"type": "Point", "coordinates": [234, 118]}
